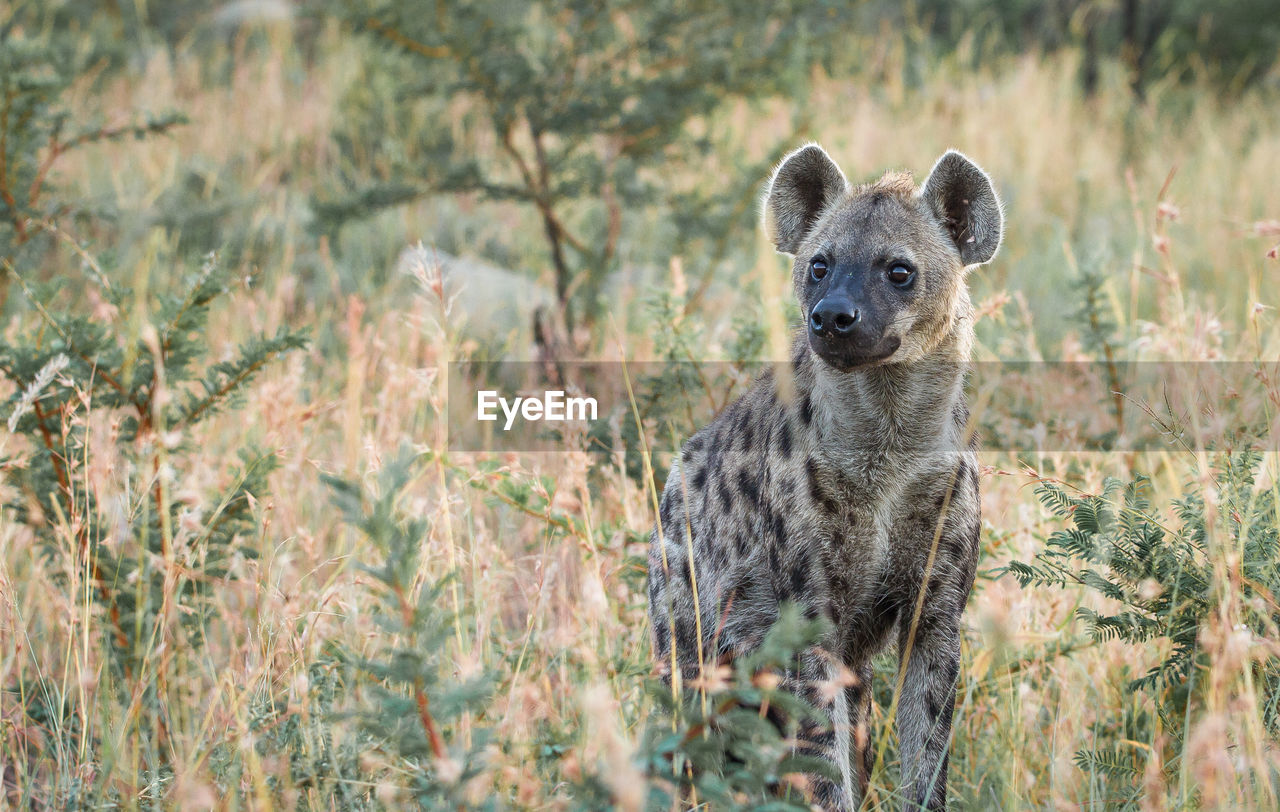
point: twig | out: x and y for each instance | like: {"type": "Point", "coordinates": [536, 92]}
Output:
{"type": "Point", "coordinates": [420, 697]}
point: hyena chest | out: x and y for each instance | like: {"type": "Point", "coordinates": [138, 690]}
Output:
{"type": "Point", "coordinates": [858, 565]}
{"type": "Point", "coordinates": [869, 545]}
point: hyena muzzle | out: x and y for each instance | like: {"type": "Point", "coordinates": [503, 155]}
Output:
{"type": "Point", "coordinates": [855, 497]}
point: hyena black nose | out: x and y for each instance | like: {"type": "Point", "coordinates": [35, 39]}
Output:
{"type": "Point", "coordinates": [833, 316]}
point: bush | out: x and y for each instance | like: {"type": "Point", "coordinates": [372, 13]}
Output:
{"type": "Point", "coordinates": [411, 704]}
{"type": "Point", "coordinates": [1168, 585]}
{"type": "Point", "coordinates": [589, 137]}
{"type": "Point", "coordinates": [97, 371]}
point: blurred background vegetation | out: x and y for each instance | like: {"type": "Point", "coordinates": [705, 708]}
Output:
{"type": "Point", "coordinates": [218, 344]}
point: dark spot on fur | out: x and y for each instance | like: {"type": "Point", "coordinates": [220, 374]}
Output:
{"type": "Point", "coordinates": [786, 487]}
{"type": "Point", "coordinates": [885, 608]}
{"type": "Point", "coordinates": [661, 638]}
{"type": "Point", "coordinates": [699, 479]}
{"type": "Point", "coordinates": [686, 637]}
{"type": "Point", "coordinates": [800, 576]}
{"type": "Point", "coordinates": [784, 437]}
{"type": "Point", "coordinates": [748, 486]}
{"type": "Point", "coordinates": [779, 527]}
{"type": "Point", "coordinates": [968, 570]}
{"type": "Point", "coordinates": [838, 583]}
{"type": "Point", "coordinates": [939, 500]}
{"type": "Point", "coordinates": [806, 409]}
{"type": "Point", "coordinates": [934, 709]}
{"type": "Point", "coordinates": [713, 452]}
{"type": "Point", "coordinates": [664, 509]}
{"type": "Point", "coordinates": [726, 495]}
{"type": "Point", "coordinates": [695, 444]}
{"type": "Point", "coordinates": [855, 694]}
{"type": "Point", "coordinates": [817, 493]}
{"type": "Point", "coordinates": [868, 763]}
{"type": "Point", "coordinates": [682, 569]}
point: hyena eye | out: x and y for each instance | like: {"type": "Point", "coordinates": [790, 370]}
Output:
{"type": "Point", "coordinates": [902, 276]}
{"type": "Point", "coordinates": [817, 268]}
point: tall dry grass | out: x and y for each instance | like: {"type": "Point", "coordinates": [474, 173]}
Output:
{"type": "Point", "coordinates": [557, 611]}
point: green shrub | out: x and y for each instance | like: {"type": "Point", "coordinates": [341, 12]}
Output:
{"type": "Point", "coordinates": [95, 370]}
{"type": "Point", "coordinates": [1161, 584]}
{"type": "Point", "coordinates": [718, 744]}
{"type": "Point", "coordinates": [410, 703]}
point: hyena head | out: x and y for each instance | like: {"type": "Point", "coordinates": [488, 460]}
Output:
{"type": "Point", "coordinates": [880, 269]}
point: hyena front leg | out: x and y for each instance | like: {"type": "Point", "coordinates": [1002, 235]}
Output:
{"type": "Point", "coordinates": [929, 643]}
{"type": "Point", "coordinates": [861, 750]}
{"type": "Point", "coordinates": [819, 683]}
{"type": "Point", "coordinates": [928, 666]}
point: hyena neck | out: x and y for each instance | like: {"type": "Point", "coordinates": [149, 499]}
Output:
{"type": "Point", "coordinates": [892, 410]}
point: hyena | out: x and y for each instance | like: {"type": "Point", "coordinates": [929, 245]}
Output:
{"type": "Point", "coordinates": [854, 495]}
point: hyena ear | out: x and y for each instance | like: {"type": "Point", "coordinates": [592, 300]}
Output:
{"type": "Point", "coordinates": [963, 199]}
{"type": "Point", "coordinates": [806, 182]}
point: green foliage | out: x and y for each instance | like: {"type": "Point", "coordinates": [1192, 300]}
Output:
{"type": "Point", "coordinates": [727, 741]}
{"type": "Point", "coordinates": [99, 374]}
{"type": "Point", "coordinates": [1230, 43]}
{"type": "Point", "coordinates": [35, 132]}
{"type": "Point", "coordinates": [685, 389]}
{"type": "Point", "coordinates": [323, 764]}
{"type": "Point", "coordinates": [150, 372]}
{"type": "Point", "coordinates": [1099, 327]}
{"type": "Point", "coordinates": [158, 389]}
{"type": "Point", "coordinates": [390, 724]}
{"type": "Point", "coordinates": [113, 34]}
{"type": "Point", "coordinates": [413, 705]}
{"type": "Point", "coordinates": [730, 742]}
{"type": "Point", "coordinates": [596, 100]}
{"type": "Point", "coordinates": [1160, 585]}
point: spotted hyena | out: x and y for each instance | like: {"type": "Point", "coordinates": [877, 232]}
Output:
{"type": "Point", "coordinates": [855, 497]}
